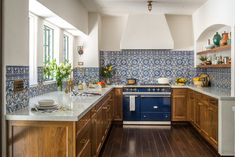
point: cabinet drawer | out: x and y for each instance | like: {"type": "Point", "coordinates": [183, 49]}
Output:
{"type": "Point", "coordinates": [149, 116]}
{"type": "Point", "coordinates": [82, 122]}
{"type": "Point", "coordinates": [84, 136]}
{"type": "Point", "coordinates": [179, 91]}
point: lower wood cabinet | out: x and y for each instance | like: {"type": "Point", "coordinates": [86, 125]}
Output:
{"type": "Point", "coordinates": [117, 106]}
{"type": "Point", "coordinates": [179, 105]}
{"type": "Point", "coordinates": [200, 110]}
{"type": "Point", "coordinates": [83, 138]}
{"type": "Point", "coordinates": [41, 139]}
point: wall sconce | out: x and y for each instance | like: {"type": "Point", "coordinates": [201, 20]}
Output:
{"type": "Point", "coordinates": [80, 50]}
{"type": "Point", "coordinates": [149, 5]}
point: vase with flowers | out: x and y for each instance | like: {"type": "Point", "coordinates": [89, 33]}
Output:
{"type": "Point", "coordinates": [59, 72]}
{"type": "Point", "coordinates": [107, 72]}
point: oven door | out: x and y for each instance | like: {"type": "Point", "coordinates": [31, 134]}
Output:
{"type": "Point", "coordinates": [131, 115]}
{"type": "Point", "coordinates": [155, 107]}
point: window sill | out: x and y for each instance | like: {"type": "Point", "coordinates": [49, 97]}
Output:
{"type": "Point", "coordinates": [43, 83]}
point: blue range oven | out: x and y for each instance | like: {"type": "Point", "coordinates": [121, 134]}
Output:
{"type": "Point", "coordinates": [152, 104]}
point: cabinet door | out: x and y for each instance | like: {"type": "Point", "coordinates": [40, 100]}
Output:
{"type": "Point", "coordinates": [190, 106]}
{"type": "Point", "coordinates": [99, 127]}
{"type": "Point", "coordinates": [93, 134]}
{"type": "Point", "coordinates": [213, 117]}
{"type": "Point", "coordinates": [204, 118]}
{"type": "Point", "coordinates": [117, 106]}
{"type": "Point", "coordinates": [179, 106]}
{"type": "Point", "coordinates": [197, 114]}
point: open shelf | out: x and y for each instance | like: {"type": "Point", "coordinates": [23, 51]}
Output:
{"type": "Point", "coordinates": [215, 66]}
{"type": "Point", "coordinates": [215, 50]}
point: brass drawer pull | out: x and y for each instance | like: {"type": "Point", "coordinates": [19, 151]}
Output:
{"type": "Point", "coordinates": [83, 141]}
{"type": "Point", "coordinates": [105, 108]}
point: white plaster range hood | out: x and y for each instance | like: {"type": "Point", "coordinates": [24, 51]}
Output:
{"type": "Point", "coordinates": [147, 31]}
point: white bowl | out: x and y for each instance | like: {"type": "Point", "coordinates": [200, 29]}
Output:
{"type": "Point", "coordinates": [46, 102]}
{"type": "Point", "coordinates": [163, 80]}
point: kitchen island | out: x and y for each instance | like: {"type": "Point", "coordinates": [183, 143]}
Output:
{"type": "Point", "coordinates": [78, 129]}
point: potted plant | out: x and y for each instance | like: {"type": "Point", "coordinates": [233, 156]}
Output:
{"type": "Point", "coordinates": [203, 59]}
{"type": "Point", "coordinates": [58, 72]}
{"type": "Point", "coordinates": [107, 72]}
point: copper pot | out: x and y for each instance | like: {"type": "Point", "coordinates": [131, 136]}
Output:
{"type": "Point", "coordinates": [131, 81]}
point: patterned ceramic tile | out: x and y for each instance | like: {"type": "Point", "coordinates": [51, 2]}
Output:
{"type": "Point", "coordinates": [16, 100]}
{"type": "Point", "coordinates": [87, 74]}
{"type": "Point", "coordinates": [148, 65]}
{"type": "Point", "coordinates": [42, 89]}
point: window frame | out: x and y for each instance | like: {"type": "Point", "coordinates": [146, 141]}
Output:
{"type": "Point", "coordinates": [66, 47]}
{"type": "Point", "coordinates": [33, 45]}
{"type": "Point", "coordinates": [49, 55]}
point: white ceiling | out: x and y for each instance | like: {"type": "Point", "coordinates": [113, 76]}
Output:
{"type": "Point", "coordinates": [122, 7]}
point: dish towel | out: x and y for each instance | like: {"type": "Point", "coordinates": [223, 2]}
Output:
{"type": "Point", "coordinates": [132, 103]}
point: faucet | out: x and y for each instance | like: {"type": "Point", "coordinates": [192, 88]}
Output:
{"type": "Point", "coordinates": [70, 86]}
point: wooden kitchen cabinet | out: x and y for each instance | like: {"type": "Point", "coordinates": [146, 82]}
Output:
{"type": "Point", "coordinates": [213, 122]}
{"type": "Point", "coordinates": [202, 113]}
{"type": "Point", "coordinates": [179, 104]}
{"type": "Point", "coordinates": [191, 106]}
{"type": "Point", "coordinates": [117, 106]}
{"type": "Point", "coordinates": [83, 138]}
{"type": "Point", "coordinates": [41, 139]}
{"type": "Point", "coordinates": [93, 131]}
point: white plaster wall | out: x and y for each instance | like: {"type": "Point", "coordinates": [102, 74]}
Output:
{"type": "Point", "coordinates": [181, 28]}
{"type": "Point", "coordinates": [90, 58]}
{"type": "Point", "coordinates": [112, 31]}
{"type": "Point", "coordinates": [15, 32]}
{"type": "Point", "coordinates": [72, 11]}
{"type": "Point", "coordinates": [213, 12]}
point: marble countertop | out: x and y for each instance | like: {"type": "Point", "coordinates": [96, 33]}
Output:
{"type": "Point", "coordinates": [73, 107]}
{"type": "Point", "coordinates": [218, 93]}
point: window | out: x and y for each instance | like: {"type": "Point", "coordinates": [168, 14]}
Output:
{"type": "Point", "coordinates": [66, 48]}
{"type": "Point", "coordinates": [48, 44]}
{"type": "Point", "coordinates": [32, 49]}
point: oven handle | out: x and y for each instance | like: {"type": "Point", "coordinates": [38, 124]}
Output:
{"type": "Point", "coordinates": [130, 95]}
{"type": "Point", "coordinates": [155, 96]}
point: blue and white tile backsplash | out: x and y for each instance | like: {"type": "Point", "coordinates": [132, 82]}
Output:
{"type": "Point", "coordinates": [87, 74]}
{"type": "Point", "coordinates": [144, 65]}
{"type": "Point", "coordinates": [148, 65]}
{"type": "Point", "coordinates": [16, 100]}
{"type": "Point", "coordinates": [220, 77]}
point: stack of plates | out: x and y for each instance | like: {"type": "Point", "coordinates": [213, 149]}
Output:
{"type": "Point", "coordinates": [47, 104]}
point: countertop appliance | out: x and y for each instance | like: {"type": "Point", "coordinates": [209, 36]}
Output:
{"type": "Point", "coordinates": [147, 104]}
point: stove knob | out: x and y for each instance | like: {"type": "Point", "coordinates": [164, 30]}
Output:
{"type": "Point", "coordinates": [158, 89]}
{"type": "Point", "coordinates": [135, 90]}
{"type": "Point", "coordinates": [163, 90]}
{"type": "Point", "coordinates": [154, 89]}
{"type": "Point", "coordinates": [127, 90]}
{"type": "Point", "coordinates": [149, 90]}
